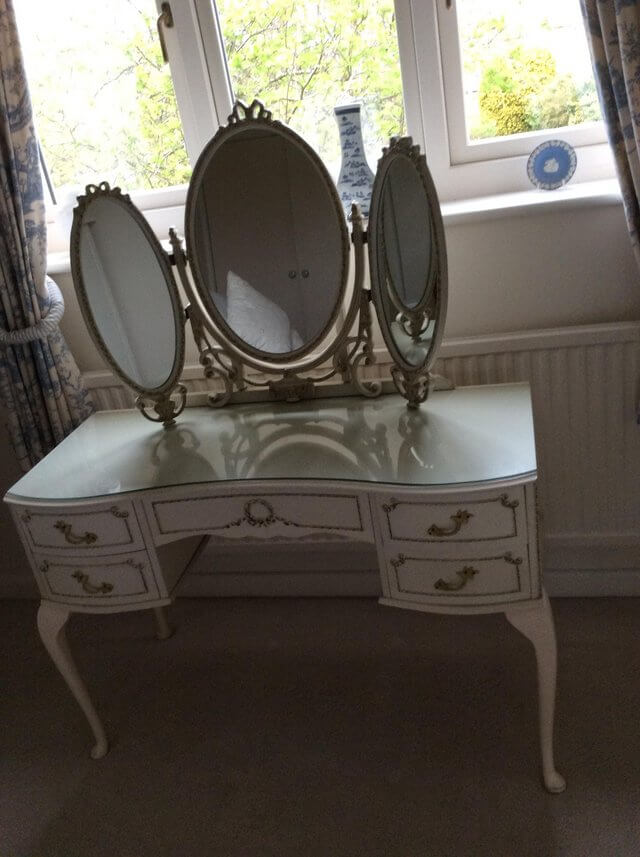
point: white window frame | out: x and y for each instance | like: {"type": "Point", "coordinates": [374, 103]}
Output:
{"type": "Point", "coordinates": [434, 108]}
{"type": "Point", "coordinates": [427, 31]}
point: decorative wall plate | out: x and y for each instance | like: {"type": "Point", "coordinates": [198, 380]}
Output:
{"type": "Point", "coordinates": [551, 164]}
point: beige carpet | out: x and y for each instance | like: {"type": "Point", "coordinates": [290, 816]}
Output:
{"type": "Point", "coordinates": [320, 727]}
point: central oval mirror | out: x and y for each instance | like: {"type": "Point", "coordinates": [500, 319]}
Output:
{"type": "Point", "coordinates": [267, 241]}
{"type": "Point", "coordinates": [126, 290]}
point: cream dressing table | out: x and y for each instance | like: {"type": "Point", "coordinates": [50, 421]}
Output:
{"type": "Point", "coordinates": [112, 517]}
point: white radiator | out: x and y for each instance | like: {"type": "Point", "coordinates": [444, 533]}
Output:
{"type": "Point", "coordinates": [585, 385]}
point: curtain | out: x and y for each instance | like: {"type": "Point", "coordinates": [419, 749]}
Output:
{"type": "Point", "coordinates": [613, 32]}
{"type": "Point", "coordinates": [40, 385]}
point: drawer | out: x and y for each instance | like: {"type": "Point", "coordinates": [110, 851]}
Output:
{"type": "Point", "coordinates": [268, 515]}
{"type": "Point", "coordinates": [473, 581]}
{"type": "Point", "coordinates": [460, 520]}
{"type": "Point", "coordinates": [93, 530]}
{"type": "Point", "coordinates": [111, 581]}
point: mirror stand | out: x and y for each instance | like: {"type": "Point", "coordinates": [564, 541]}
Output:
{"type": "Point", "coordinates": [165, 408]}
{"type": "Point", "coordinates": [351, 353]}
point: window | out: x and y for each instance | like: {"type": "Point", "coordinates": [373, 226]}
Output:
{"type": "Point", "coordinates": [477, 83]}
{"type": "Point", "coordinates": [103, 99]}
{"type": "Point", "coordinates": [490, 80]}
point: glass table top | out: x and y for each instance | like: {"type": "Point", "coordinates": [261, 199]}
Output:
{"type": "Point", "coordinates": [472, 434]}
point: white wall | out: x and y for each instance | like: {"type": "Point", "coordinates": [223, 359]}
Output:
{"type": "Point", "coordinates": [531, 270]}
{"type": "Point", "coordinates": [524, 272]}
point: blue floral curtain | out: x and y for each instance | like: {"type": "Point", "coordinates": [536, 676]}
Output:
{"type": "Point", "coordinates": [40, 385]}
{"type": "Point", "coordinates": [613, 31]}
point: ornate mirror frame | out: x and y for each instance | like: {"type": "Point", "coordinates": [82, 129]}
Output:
{"type": "Point", "coordinates": [412, 381]}
{"type": "Point", "coordinates": [222, 353]}
{"type": "Point", "coordinates": [157, 398]}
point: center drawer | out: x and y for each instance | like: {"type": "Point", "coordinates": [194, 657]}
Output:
{"type": "Point", "coordinates": [264, 515]}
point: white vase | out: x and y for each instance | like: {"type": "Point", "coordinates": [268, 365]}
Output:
{"type": "Point", "coordinates": [356, 179]}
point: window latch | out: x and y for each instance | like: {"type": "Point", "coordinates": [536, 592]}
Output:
{"type": "Point", "coordinates": [165, 19]}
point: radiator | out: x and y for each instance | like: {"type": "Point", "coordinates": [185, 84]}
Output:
{"type": "Point", "coordinates": [585, 388]}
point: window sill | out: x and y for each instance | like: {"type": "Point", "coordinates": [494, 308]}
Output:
{"type": "Point", "coordinates": [520, 204]}
{"type": "Point", "coordinates": [527, 202]}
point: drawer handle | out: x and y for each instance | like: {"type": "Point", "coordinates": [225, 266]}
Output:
{"type": "Point", "coordinates": [83, 580]}
{"type": "Point", "coordinates": [464, 576]}
{"type": "Point", "coordinates": [72, 538]}
{"type": "Point", "coordinates": [460, 518]}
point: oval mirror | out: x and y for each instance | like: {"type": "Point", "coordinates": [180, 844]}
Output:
{"type": "Point", "coordinates": [267, 240]}
{"type": "Point", "coordinates": [407, 257]}
{"type": "Point", "coordinates": [126, 291]}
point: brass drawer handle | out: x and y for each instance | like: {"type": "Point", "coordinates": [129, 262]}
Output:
{"type": "Point", "coordinates": [72, 538]}
{"type": "Point", "coordinates": [83, 580]}
{"type": "Point", "coordinates": [464, 576]}
{"type": "Point", "coordinates": [460, 518]}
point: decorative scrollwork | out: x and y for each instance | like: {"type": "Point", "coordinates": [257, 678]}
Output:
{"type": "Point", "coordinates": [256, 110]}
{"type": "Point", "coordinates": [458, 520]}
{"type": "Point", "coordinates": [414, 386]}
{"type": "Point", "coordinates": [464, 576]}
{"type": "Point", "coordinates": [509, 504]}
{"type": "Point", "coordinates": [164, 407]}
{"type": "Point", "coordinates": [118, 513]}
{"type": "Point", "coordinates": [390, 506]}
{"type": "Point", "coordinates": [73, 538]}
{"type": "Point", "coordinates": [509, 557]}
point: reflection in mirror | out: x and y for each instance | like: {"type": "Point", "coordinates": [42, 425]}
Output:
{"type": "Point", "coordinates": [266, 239]}
{"type": "Point", "coordinates": [126, 291]}
{"type": "Point", "coordinates": [407, 255]}
{"type": "Point", "coordinates": [406, 224]}
{"type": "Point", "coordinates": [128, 298]}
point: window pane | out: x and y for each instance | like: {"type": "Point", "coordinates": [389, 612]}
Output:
{"type": "Point", "coordinates": [525, 66]}
{"type": "Point", "coordinates": [301, 58]}
{"type": "Point", "coordinates": [103, 99]}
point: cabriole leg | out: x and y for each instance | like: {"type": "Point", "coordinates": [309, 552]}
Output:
{"type": "Point", "coordinates": [536, 623]}
{"type": "Point", "coordinates": [52, 619]}
{"type": "Point", "coordinates": [163, 629]}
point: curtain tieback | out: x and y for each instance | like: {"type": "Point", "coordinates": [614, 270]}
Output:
{"type": "Point", "coordinates": [45, 327]}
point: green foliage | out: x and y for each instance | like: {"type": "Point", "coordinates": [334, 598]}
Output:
{"type": "Point", "coordinates": [155, 149]}
{"type": "Point", "coordinates": [301, 59]}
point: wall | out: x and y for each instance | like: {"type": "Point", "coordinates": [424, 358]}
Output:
{"type": "Point", "coordinates": [534, 269]}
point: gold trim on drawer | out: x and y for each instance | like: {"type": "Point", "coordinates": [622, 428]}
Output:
{"type": "Point", "coordinates": [450, 588]}
{"type": "Point", "coordinates": [82, 576]}
{"type": "Point", "coordinates": [258, 513]}
{"type": "Point", "coordinates": [448, 526]}
{"type": "Point", "coordinates": [79, 538]}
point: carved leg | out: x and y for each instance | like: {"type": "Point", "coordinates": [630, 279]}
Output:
{"type": "Point", "coordinates": [536, 623]}
{"type": "Point", "coordinates": [163, 629]}
{"type": "Point", "coordinates": [52, 619]}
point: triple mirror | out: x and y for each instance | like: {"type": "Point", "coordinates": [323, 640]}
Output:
{"type": "Point", "coordinates": [273, 275]}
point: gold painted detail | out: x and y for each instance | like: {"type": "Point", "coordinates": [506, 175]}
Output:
{"type": "Point", "coordinates": [507, 503]}
{"type": "Point", "coordinates": [72, 538]}
{"type": "Point", "coordinates": [25, 517]}
{"type": "Point", "coordinates": [259, 519]}
{"type": "Point", "coordinates": [509, 557]}
{"type": "Point", "coordinates": [464, 576]}
{"type": "Point", "coordinates": [390, 506]}
{"type": "Point", "coordinates": [118, 513]}
{"type": "Point", "coordinates": [92, 589]}
{"type": "Point", "coordinates": [460, 518]}
{"type": "Point", "coordinates": [44, 567]}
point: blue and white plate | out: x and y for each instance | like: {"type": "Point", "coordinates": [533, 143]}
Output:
{"type": "Point", "coordinates": [551, 164]}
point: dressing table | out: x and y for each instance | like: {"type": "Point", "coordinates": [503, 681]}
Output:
{"type": "Point", "coordinates": [442, 481]}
